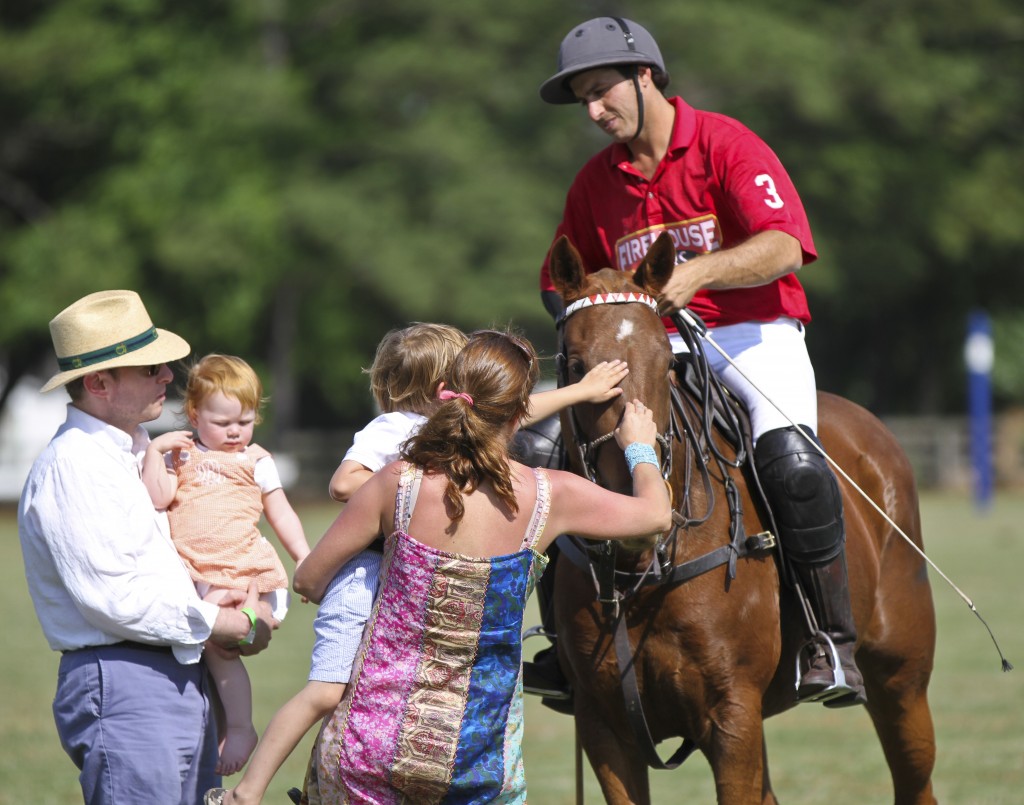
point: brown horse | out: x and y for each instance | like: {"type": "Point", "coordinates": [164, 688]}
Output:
{"type": "Point", "coordinates": [714, 655]}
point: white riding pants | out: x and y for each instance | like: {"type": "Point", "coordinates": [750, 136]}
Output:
{"type": "Point", "coordinates": [770, 371]}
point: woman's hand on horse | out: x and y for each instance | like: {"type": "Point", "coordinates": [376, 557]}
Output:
{"type": "Point", "coordinates": [601, 383]}
{"type": "Point", "coordinates": [637, 425]}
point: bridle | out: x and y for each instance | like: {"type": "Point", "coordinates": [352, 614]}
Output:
{"type": "Point", "coordinates": [586, 451]}
{"type": "Point", "coordinates": [663, 569]}
{"type": "Point", "coordinates": [695, 434]}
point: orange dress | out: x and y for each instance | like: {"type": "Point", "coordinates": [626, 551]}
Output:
{"type": "Point", "coordinates": [215, 519]}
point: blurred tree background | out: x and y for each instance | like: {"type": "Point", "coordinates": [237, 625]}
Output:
{"type": "Point", "coordinates": [289, 179]}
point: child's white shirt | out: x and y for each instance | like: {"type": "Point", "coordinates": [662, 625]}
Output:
{"type": "Point", "coordinates": [379, 443]}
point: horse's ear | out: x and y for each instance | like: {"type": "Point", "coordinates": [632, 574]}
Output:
{"type": "Point", "coordinates": [657, 265]}
{"type": "Point", "coordinates": [566, 268]}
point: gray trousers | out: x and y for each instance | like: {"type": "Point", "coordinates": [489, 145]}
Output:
{"type": "Point", "coordinates": [137, 724]}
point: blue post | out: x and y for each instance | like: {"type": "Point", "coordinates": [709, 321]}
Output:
{"type": "Point", "coordinates": [979, 354]}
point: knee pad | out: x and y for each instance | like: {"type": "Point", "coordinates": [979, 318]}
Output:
{"type": "Point", "coordinates": [803, 494]}
{"type": "Point", "coordinates": [540, 445]}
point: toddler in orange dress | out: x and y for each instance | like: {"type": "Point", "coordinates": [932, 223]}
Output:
{"type": "Point", "coordinates": [215, 488]}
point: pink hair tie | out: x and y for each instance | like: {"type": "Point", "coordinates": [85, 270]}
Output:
{"type": "Point", "coordinates": [445, 394]}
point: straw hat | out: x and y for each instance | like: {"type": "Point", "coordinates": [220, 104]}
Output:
{"type": "Point", "coordinates": [108, 329]}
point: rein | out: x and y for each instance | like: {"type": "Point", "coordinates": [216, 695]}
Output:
{"type": "Point", "coordinates": [691, 425]}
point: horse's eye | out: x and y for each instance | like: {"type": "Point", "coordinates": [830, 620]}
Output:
{"type": "Point", "coordinates": [576, 368]}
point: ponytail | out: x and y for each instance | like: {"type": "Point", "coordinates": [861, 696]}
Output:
{"type": "Point", "coordinates": [466, 438]}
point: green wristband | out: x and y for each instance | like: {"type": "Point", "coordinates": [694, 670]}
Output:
{"type": "Point", "coordinates": [250, 613]}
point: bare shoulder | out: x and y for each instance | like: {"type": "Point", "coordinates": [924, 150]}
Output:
{"type": "Point", "coordinates": [525, 478]}
{"type": "Point", "coordinates": [381, 485]}
{"type": "Point", "coordinates": [563, 479]}
{"type": "Point", "coordinates": [388, 476]}
{"type": "Point", "coordinates": [569, 491]}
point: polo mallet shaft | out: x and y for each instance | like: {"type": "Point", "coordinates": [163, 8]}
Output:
{"type": "Point", "coordinates": [702, 330]}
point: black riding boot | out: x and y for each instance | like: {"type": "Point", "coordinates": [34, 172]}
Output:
{"type": "Point", "coordinates": [829, 672]}
{"type": "Point", "coordinates": [808, 508]}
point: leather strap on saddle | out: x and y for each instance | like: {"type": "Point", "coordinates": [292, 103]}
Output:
{"type": "Point", "coordinates": [609, 580]}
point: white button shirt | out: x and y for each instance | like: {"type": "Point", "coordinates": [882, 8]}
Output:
{"type": "Point", "coordinates": [99, 560]}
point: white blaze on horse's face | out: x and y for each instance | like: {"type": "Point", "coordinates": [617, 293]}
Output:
{"type": "Point", "coordinates": [625, 330]}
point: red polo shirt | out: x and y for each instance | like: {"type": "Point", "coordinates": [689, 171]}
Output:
{"type": "Point", "coordinates": [718, 185]}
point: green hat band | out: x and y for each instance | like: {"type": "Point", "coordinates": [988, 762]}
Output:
{"type": "Point", "coordinates": [105, 354]}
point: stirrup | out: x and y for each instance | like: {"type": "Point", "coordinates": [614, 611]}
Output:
{"type": "Point", "coordinates": [839, 686]}
{"type": "Point", "coordinates": [539, 631]}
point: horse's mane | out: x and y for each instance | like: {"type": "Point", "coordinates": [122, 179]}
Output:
{"type": "Point", "coordinates": [608, 280]}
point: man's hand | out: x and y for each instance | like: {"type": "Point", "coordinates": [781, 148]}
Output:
{"type": "Point", "coordinates": [679, 290]}
{"type": "Point", "coordinates": [265, 622]}
{"type": "Point", "coordinates": [233, 625]}
{"type": "Point", "coordinates": [762, 259]}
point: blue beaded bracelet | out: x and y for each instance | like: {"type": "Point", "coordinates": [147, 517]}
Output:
{"type": "Point", "coordinates": [640, 453]}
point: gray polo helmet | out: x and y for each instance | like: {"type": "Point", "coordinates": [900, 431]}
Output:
{"type": "Point", "coordinates": [600, 42]}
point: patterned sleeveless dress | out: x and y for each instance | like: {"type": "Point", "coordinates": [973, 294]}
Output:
{"type": "Point", "coordinates": [435, 709]}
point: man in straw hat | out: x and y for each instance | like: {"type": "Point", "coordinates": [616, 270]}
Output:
{"type": "Point", "coordinates": [110, 592]}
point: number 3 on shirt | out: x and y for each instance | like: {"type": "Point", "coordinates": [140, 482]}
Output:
{"type": "Point", "coordinates": [773, 200]}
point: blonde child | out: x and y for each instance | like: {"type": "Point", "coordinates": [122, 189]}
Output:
{"type": "Point", "coordinates": [406, 379]}
{"type": "Point", "coordinates": [215, 488]}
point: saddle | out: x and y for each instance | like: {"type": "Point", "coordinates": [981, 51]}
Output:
{"type": "Point", "coordinates": [721, 412]}
{"type": "Point", "coordinates": [540, 445]}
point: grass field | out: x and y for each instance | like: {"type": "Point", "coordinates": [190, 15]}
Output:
{"type": "Point", "coordinates": [816, 755]}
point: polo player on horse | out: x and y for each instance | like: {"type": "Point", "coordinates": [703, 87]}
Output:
{"type": "Point", "coordinates": [740, 234]}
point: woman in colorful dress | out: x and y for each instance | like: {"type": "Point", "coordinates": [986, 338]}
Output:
{"type": "Point", "coordinates": [434, 710]}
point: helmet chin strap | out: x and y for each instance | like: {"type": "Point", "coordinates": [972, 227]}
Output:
{"type": "Point", "coordinates": [639, 102]}
{"type": "Point", "coordinates": [631, 44]}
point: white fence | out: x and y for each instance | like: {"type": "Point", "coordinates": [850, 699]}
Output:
{"type": "Point", "coordinates": [938, 447]}
{"type": "Point", "coordinates": [28, 421]}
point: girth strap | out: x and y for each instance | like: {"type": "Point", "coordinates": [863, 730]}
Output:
{"type": "Point", "coordinates": [634, 707]}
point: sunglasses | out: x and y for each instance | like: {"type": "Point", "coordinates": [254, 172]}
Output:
{"type": "Point", "coordinates": [147, 371]}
